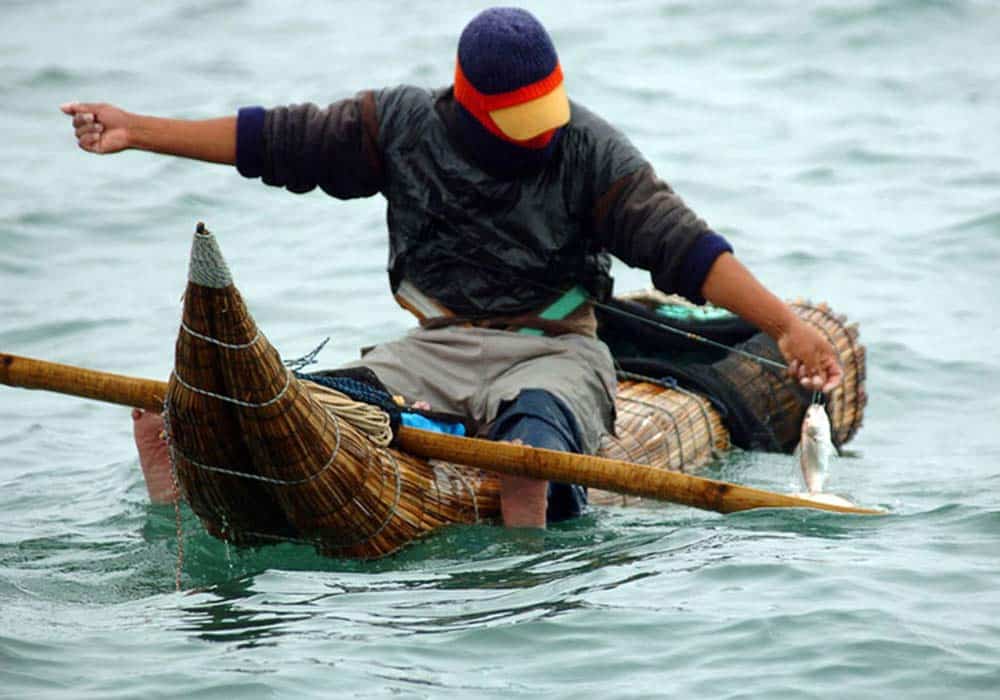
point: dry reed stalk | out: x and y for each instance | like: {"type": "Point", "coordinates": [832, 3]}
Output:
{"type": "Point", "coordinates": [310, 474]}
{"type": "Point", "coordinates": [662, 427]}
{"type": "Point", "coordinates": [205, 431]}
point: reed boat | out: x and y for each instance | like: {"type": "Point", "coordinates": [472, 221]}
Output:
{"type": "Point", "coordinates": [264, 454]}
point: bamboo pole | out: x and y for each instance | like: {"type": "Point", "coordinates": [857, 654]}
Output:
{"type": "Point", "coordinates": [594, 472]}
{"type": "Point", "coordinates": [29, 373]}
{"type": "Point", "coordinates": [608, 474]}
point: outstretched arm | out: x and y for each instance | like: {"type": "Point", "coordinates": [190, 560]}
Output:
{"type": "Point", "coordinates": [810, 357]}
{"type": "Point", "coordinates": [642, 221]}
{"type": "Point", "coordinates": [103, 128]}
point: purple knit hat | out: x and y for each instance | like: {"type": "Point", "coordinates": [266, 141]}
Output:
{"type": "Point", "coordinates": [505, 48]}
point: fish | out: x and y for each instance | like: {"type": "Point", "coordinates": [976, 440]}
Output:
{"type": "Point", "coordinates": [815, 448]}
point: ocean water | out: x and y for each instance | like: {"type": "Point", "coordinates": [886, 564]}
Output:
{"type": "Point", "coordinates": [850, 150]}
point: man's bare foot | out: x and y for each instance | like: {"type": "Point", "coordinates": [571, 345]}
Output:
{"type": "Point", "coordinates": [151, 441]}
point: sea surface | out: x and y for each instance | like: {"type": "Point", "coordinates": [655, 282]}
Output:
{"type": "Point", "coordinates": [850, 150]}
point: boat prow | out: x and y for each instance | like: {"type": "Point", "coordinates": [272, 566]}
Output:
{"type": "Point", "coordinates": [259, 458]}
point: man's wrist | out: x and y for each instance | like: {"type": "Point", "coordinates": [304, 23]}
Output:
{"type": "Point", "coordinates": [780, 321]}
{"type": "Point", "coordinates": [137, 132]}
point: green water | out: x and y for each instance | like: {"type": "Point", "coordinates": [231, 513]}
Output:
{"type": "Point", "coordinates": [850, 152]}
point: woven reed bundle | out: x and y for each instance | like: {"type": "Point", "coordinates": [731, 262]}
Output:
{"type": "Point", "coordinates": [305, 474]}
{"type": "Point", "coordinates": [206, 431]}
{"type": "Point", "coordinates": [767, 391]}
{"type": "Point", "coordinates": [664, 427]}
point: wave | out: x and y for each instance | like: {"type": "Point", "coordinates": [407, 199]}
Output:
{"type": "Point", "coordinates": [57, 330]}
{"type": "Point", "coordinates": [844, 14]}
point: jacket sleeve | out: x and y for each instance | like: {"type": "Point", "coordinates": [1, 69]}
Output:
{"type": "Point", "coordinates": [302, 147]}
{"type": "Point", "coordinates": [644, 223]}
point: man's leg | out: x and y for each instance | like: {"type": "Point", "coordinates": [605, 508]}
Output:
{"type": "Point", "coordinates": [150, 441]}
{"type": "Point", "coordinates": [539, 419]}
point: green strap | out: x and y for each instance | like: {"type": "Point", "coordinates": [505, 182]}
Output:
{"type": "Point", "coordinates": [562, 307]}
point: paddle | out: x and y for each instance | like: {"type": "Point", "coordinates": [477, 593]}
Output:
{"type": "Point", "coordinates": [594, 472]}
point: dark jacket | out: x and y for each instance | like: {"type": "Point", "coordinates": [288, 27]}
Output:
{"type": "Point", "coordinates": [479, 243]}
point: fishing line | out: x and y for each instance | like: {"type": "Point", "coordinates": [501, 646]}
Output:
{"type": "Point", "coordinates": [624, 313]}
{"type": "Point", "coordinates": [687, 334]}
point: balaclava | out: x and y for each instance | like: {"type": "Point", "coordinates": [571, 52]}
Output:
{"type": "Point", "coordinates": [509, 90]}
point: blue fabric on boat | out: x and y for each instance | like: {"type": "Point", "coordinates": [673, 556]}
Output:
{"type": "Point", "coordinates": [539, 419]}
{"type": "Point", "coordinates": [361, 384]}
{"type": "Point", "coordinates": [415, 420]}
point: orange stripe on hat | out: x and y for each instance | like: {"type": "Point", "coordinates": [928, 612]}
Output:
{"type": "Point", "coordinates": [482, 105]}
{"type": "Point", "coordinates": [475, 101]}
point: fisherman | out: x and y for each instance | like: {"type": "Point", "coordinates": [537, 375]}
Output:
{"type": "Point", "coordinates": [505, 202]}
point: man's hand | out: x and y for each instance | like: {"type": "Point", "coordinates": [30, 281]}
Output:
{"type": "Point", "coordinates": [103, 128]}
{"type": "Point", "coordinates": [100, 128]}
{"type": "Point", "coordinates": [810, 357]}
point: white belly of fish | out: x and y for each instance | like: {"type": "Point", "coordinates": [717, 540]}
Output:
{"type": "Point", "coordinates": [814, 457]}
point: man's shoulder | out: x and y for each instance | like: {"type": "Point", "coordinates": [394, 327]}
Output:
{"type": "Point", "coordinates": [406, 96]}
{"type": "Point", "coordinates": [585, 119]}
{"type": "Point", "coordinates": [592, 137]}
{"type": "Point", "coordinates": [404, 109]}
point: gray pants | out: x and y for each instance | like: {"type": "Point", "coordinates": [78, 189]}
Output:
{"type": "Point", "coordinates": [473, 371]}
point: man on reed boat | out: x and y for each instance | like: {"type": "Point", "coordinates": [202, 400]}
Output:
{"type": "Point", "coordinates": [505, 204]}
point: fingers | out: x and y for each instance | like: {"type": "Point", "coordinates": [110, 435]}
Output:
{"type": "Point", "coordinates": [73, 108]}
{"type": "Point", "coordinates": [812, 361]}
{"type": "Point", "coordinates": [812, 382]}
{"type": "Point", "coordinates": [808, 377]}
{"type": "Point", "coordinates": [834, 376]}
{"type": "Point", "coordinates": [87, 124]}
{"type": "Point", "coordinates": [87, 127]}
{"type": "Point", "coordinates": [90, 142]}
{"type": "Point", "coordinates": [82, 119]}
{"type": "Point", "coordinates": [824, 378]}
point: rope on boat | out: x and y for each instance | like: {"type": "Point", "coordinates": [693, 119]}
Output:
{"type": "Point", "coordinates": [214, 341]}
{"type": "Point", "coordinates": [673, 421]}
{"type": "Point", "coordinates": [229, 399]}
{"type": "Point", "coordinates": [331, 413]}
{"type": "Point", "coordinates": [257, 477]}
{"type": "Point", "coordinates": [178, 521]}
{"type": "Point", "coordinates": [392, 509]}
{"type": "Point", "coordinates": [322, 543]}
{"type": "Point", "coordinates": [308, 359]}
{"type": "Point", "coordinates": [700, 401]}
{"type": "Point", "coordinates": [371, 420]}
